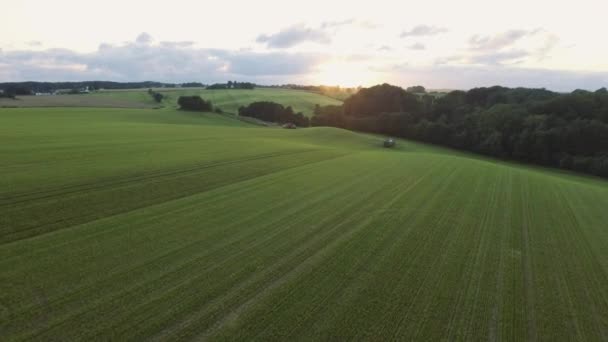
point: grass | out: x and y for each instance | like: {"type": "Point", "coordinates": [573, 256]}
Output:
{"type": "Point", "coordinates": [101, 99]}
{"type": "Point", "coordinates": [228, 100]}
{"type": "Point", "coordinates": [121, 224]}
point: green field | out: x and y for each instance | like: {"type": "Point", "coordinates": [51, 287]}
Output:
{"type": "Point", "coordinates": [228, 100]}
{"type": "Point", "coordinates": [135, 224]}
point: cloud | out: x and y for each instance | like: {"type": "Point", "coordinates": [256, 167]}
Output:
{"type": "Point", "coordinates": [144, 38]}
{"type": "Point", "coordinates": [295, 35]}
{"type": "Point", "coordinates": [352, 22]}
{"type": "Point", "coordinates": [423, 30]}
{"type": "Point", "coordinates": [551, 41]}
{"type": "Point", "coordinates": [497, 58]}
{"type": "Point", "coordinates": [499, 41]}
{"type": "Point", "coordinates": [465, 77]}
{"type": "Point", "coordinates": [505, 48]}
{"type": "Point", "coordinates": [385, 48]}
{"type": "Point", "coordinates": [331, 24]}
{"type": "Point", "coordinates": [142, 59]}
{"type": "Point", "coordinates": [417, 46]}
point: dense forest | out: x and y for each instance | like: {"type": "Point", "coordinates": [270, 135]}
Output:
{"type": "Point", "coordinates": [568, 131]}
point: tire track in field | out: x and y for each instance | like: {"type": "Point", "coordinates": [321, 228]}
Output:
{"type": "Point", "coordinates": [165, 282]}
{"type": "Point", "coordinates": [367, 272]}
{"type": "Point", "coordinates": [362, 261]}
{"type": "Point", "coordinates": [200, 277]}
{"type": "Point", "coordinates": [464, 307]}
{"type": "Point", "coordinates": [182, 250]}
{"type": "Point", "coordinates": [528, 271]}
{"type": "Point", "coordinates": [321, 236]}
{"type": "Point", "coordinates": [307, 264]}
{"type": "Point", "coordinates": [496, 324]}
{"type": "Point", "coordinates": [433, 236]}
{"type": "Point", "coordinates": [29, 231]}
{"type": "Point", "coordinates": [62, 191]}
{"type": "Point", "coordinates": [483, 257]}
{"type": "Point", "coordinates": [456, 237]}
{"type": "Point", "coordinates": [598, 277]}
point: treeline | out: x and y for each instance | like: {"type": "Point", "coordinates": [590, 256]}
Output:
{"type": "Point", "coordinates": [568, 131]}
{"type": "Point", "coordinates": [274, 112]}
{"type": "Point", "coordinates": [50, 87]}
{"type": "Point", "coordinates": [261, 110]}
{"type": "Point", "coordinates": [232, 85]}
{"type": "Point", "coordinates": [30, 88]}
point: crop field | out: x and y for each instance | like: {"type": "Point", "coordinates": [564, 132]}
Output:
{"type": "Point", "coordinates": [101, 99]}
{"type": "Point", "coordinates": [141, 224]}
{"type": "Point", "coordinates": [228, 100]}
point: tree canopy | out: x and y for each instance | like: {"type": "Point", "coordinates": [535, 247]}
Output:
{"type": "Point", "coordinates": [195, 103]}
{"type": "Point", "coordinates": [273, 112]}
{"type": "Point", "coordinates": [568, 131]}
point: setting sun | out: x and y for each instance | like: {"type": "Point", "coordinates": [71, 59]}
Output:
{"type": "Point", "coordinates": [345, 74]}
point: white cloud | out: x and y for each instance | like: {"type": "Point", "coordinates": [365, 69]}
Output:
{"type": "Point", "coordinates": [417, 46]}
{"type": "Point", "coordinates": [295, 35]}
{"type": "Point", "coordinates": [423, 30]}
{"type": "Point", "coordinates": [144, 38]}
{"type": "Point", "coordinates": [142, 60]}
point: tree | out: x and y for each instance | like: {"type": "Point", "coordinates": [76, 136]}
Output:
{"type": "Point", "coordinates": [416, 89]}
{"type": "Point", "coordinates": [195, 103]}
{"type": "Point", "coordinates": [533, 125]}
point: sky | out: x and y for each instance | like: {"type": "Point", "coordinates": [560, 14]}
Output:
{"type": "Point", "coordinates": [559, 45]}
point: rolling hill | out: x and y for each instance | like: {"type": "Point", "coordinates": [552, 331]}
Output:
{"type": "Point", "coordinates": [229, 100]}
{"type": "Point", "coordinates": [132, 224]}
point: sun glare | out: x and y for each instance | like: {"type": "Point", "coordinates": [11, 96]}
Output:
{"type": "Point", "coordinates": [345, 74]}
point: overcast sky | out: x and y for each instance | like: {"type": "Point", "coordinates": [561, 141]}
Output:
{"type": "Point", "coordinates": [560, 45]}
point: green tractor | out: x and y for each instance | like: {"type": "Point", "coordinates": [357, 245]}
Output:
{"type": "Point", "coordinates": [388, 143]}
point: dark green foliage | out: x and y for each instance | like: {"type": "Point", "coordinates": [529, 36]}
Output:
{"type": "Point", "coordinates": [192, 85]}
{"type": "Point", "coordinates": [16, 90]}
{"type": "Point", "coordinates": [232, 85]}
{"type": "Point", "coordinates": [49, 87]}
{"type": "Point", "coordinates": [7, 95]}
{"type": "Point", "coordinates": [416, 89]}
{"type": "Point", "coordinates": [194, 103]}
{"type": "Point", "coordinates": [379, 99]}
{"type": "Point", "coordinates": [330, 115]}
{"type": "Point", "coordinates": [158, 97]}
{"type": "Point", "coordinates": [568, 131]}
{"type": "Point", "coordinates": [274, 112]}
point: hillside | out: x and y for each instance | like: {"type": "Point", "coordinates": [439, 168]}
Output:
{"type": "Point", "coordinates": [135, 224]}
{"type": "Point", "coordinates": [228, 100]}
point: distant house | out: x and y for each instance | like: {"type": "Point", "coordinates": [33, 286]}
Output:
{"type": "Point", "coordinates": [289, 125]}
